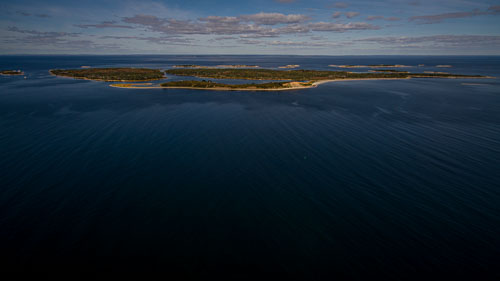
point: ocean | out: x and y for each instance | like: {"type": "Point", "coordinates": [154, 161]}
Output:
{"type": "Point", "coordinates": [397, 179]}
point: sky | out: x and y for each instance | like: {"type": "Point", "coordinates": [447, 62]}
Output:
{"type": "Point", "coordinates": [288, 27]}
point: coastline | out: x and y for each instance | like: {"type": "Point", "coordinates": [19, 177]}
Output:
{"type": "Point", "coordinates": [313, 85]}
{"type": "Point", "coordinates": [214, 89]}
{"type": "Point", "coordinates": [13, 74]}
{"type": "Point", "coordinates": [104, 80]}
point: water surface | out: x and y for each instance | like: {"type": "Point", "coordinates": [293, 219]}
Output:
{"type": "Point", "coordinates": [396, 178]}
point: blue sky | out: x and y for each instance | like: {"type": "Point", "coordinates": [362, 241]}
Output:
{"type": "Point", "coordinates": [301, 27]}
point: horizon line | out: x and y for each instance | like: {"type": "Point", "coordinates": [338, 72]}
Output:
{"type": "Point", "coordinates": [207, 54]}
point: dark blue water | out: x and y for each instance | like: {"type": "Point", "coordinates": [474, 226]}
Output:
{"type": "Point", "coordinates": [394, 179]}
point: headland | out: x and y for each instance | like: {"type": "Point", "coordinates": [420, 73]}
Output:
{"type": "Point", "coordinates": [111, 74]}
{"type": "Point", "coordinates": [11, 72]}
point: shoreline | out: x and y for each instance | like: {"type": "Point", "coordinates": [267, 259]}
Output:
{"type": "Point", "coordinates": [313, 85]}
{"type": "Point", "coordinates": [215, 89]}
{"type": "Point", "coordinates": [13, 74]}
{"type": "Point", "coordinates": [104, 80]}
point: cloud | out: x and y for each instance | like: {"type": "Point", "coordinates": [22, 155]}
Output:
{"type": "Point", "coordinates": [222, 25]}
{"type": "Point", "coordinates": [296, 44]}
{"type": "Point", "coordinates": [251, 42]}
{"type": "Point", "coordinates": [275, 18]}
{"type": "Point", "coordinates": [170, 40]}
{"type": "Point", "coordinates": [449, 41]}
{"type": "Point", "coordinates": [494, 9]}
{"type": "Point", "coordinates": [247, 26]}
{"type": "Point", "coordinates": [375, 18]}
{"type": "Point", "coordinates": [284, 1]}
{"type": "Point", "coordinates": [317, 38]}
{"type": "Point", "coordinates": [256, 24]}
{"type": "Point", "coordinates": [147, 20]}
{"type": "Point", "coordinates": [117, 37]}
{"type": "Point", "coordinates": [54, 39]}
{"type": "Point", "coordinates": [348, 15]}
{"type": "Point", "coordinates": [43, 34]}
{"type": "Point", "coordinates": [306, 43]}
{"type": "Point", "coordinates": [351, 14]}
{"type": "Point", "coordinates": [293, 28]}
{"type": "Point", "coordinates": [383, 18]}
{"type": "Point", "coordinates": [260, 18]}
{"type": "Point", "coordinates": [431, 19]}
{"type": "Point", "coordinates": [104, 24]}
{"type": "Point", "coordinates": [226, 38]}
{"type": "Point", "coordinates": [260, 35]}
{"type": "Point", "coordinates": [221, 20]}
{"type": "Point", "coordinates": [339, 27]}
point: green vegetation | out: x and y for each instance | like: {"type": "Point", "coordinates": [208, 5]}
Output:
{"type": "Point", "coordinates": [210, 84]}
{"type": "Point", "coordinates": [11, 72]}
{"type": "Point", "coordinates": [111, 74]}
{"type": "Point", "coordinates": [292, 79]}
{"type": "Point", "coordinates": [301, 75]}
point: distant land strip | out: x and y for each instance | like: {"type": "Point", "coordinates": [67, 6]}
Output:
{"type": "Point", "coordinates": [293, 79]}
{"type": "Point", "coordinates": [11, 72]}
{"type": "Point", "coordinates": [124, 74]}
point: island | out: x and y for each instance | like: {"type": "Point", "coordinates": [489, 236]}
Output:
{"type": "Point", "coordinates": [111, 74]}
{"type": "Point", "coordinates": [273, 80]}
{"type": "Point", "coordinates": [209, 85]}
{"type": "Point", "coordinates": [303, 74]}
{"type": "Point", "coordinates": [237, 66]}
{"type": "Point", "coordinates": [217, 66]}
{"type": "Point", "coordinates": [368, 66]}
{"type": "Point", "coordinates": [444, 66]}
{"type": "Point", "coordinates": [292, 79]}
{"type": "Point", "coordinates": [435, 72]}
{"type": "Point", "coordinates": [289, 66]}
{"type": "Point", "coordinates": [11, 72]}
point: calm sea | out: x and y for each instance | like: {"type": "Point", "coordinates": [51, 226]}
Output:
{"type": "Point", "coordinates": [395, 179]}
